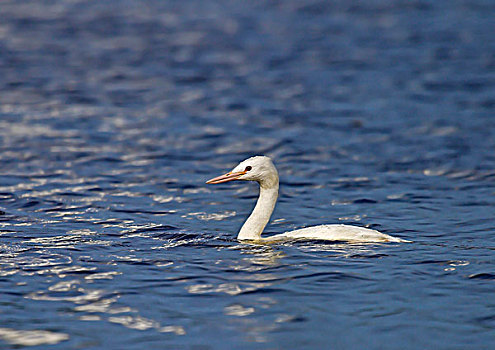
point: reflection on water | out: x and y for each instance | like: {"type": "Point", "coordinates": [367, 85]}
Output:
{"type": "Point", "coordinates": [113, 114]}
{"type": "Point", "coordinates": [141, 323]}
{"type": "Point", "coordinates": [31, 338]}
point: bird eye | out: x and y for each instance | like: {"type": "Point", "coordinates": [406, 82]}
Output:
{"type": "Point", "coordinates": [248, 168]}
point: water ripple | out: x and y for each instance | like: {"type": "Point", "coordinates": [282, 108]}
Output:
{"type": "Point", "coordinates": [31, 337]}
{"type": "Point", "coordinates": [113, 114]}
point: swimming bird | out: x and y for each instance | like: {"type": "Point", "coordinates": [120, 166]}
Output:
{"type": "Point", "coordinates": [262, 170]}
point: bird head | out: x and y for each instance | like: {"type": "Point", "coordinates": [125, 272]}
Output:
{"type": "Point", "coordinates": [259, 169]}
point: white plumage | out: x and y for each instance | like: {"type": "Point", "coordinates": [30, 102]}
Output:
{"type": "Point", "coordinates": [262, 170]}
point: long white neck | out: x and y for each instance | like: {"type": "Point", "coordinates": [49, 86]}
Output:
{"type": "Point", "coordinates": [256, 222]}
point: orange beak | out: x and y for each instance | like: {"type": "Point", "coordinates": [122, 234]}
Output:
{"type": "Point", "coordinates": [225, 178]}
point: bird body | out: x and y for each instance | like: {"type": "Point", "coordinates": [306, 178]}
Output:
{"type": "Point", "coordinates": [337, 232]}
{"type": "Point", "coordinates": [262, 170]}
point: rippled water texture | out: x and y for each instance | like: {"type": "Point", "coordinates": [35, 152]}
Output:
{"type": "Point", "coordinates": [377, 113]}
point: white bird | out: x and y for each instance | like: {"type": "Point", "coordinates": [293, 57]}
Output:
{"type": "Point", "coordinates": [262, 170]}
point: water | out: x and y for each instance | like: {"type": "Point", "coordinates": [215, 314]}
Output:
{"type": "Point", "coordinates": [113, 114]}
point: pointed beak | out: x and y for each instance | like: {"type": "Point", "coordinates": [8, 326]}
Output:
{"type": "Point", "coordinates": [225, 178]}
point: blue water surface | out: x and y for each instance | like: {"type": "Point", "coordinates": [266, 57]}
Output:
{"type": "Point", "coordinates": [377, 113]}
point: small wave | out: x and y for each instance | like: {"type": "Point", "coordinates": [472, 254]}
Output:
{"type": "Point", "coordinates": [31, 337]}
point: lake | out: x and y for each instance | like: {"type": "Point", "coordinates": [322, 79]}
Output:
{"type": "Point", "coordinates": [377, 114]}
